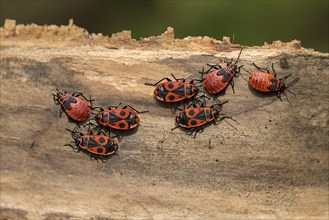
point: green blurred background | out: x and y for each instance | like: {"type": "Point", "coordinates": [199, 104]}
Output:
{"type": "Point", "coordinates": [250, 22]}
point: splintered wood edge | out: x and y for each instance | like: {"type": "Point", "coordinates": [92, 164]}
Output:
{"type": "Point", "coordinates": [33, 35]}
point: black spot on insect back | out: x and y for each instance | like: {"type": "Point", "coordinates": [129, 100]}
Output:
{"type": "Point", "coordinates": [191, 112]}
{"type": "Point", "coordinates": [67, 105]}
{"type": "Point", "coordinates": [101, 140]}
{"type": "Point", "coordinates": [72, 99]}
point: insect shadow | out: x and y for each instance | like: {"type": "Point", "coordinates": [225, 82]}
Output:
{"type": "Point", "coordinates": [98, 146]}
{"type": "Point", "coordinates": [195, 119]}
{"type": "Point", "coordinates": [123, 121]}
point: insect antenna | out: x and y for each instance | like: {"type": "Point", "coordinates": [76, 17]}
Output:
{"type": "Point", "coordinates": [288, 98]}
{"type": "Point", "coordinates": [219, 103]}
{"type": "Point", "coordinates": [74, 133]}
{"type": "Point", "coordinates": [292, 82]}
{"type": "Point", "coordinates": [289, 85]}
{"type": "Point", "coordinates": [202, 73]}
{"type": "Point", "coordinates": [284, 78]}
{"type": "Point", "coordinates": [74, 130]}
{"type": "Point", "coordinates": [174, 127]}
{"type": "Point", "coordinates": [238, 56]}
{"type": "Point", "coordinates": [260, 68]}
{"type": "Point", "coordinates": [70, 130]}
{"type": "Point", "coordinates": [290, 91]}
{"type": "Point", "coordinates": [227, 117]}
{"type": "Point", "coordinates": [246, 70]}
{"type": "Point", "coordinates": [204, 97]}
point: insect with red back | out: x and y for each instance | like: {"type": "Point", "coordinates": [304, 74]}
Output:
{"type": "Point", "coordinates": [219, 78]}
{"type": "Point", "coordinates": [196, 118]}
{"type": "Point", "coordinates": [263, 81]}
{"type": "Point", "coordinates": [99, 146]}
{"type": "Point", "coordinates": [125, 118]}
{"type": "Point", "coordinates": [76, 108]}
{"type": "Point", "coordinates": [174, 91]}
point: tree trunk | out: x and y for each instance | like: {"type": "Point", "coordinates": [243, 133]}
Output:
{"type": "Point", "coordinates": [272, 164]}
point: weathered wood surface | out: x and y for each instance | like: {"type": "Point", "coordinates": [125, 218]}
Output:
{"type": "Point", "coordinates": [273, 165]}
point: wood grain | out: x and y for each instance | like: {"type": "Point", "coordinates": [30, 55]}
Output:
{"type": "Point", "coordinates": [274, 164]}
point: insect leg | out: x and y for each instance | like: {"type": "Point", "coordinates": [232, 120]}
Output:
{"type": "Point", "coordinates": [118, 136]}
{"type": "Point", "coordinates": [101, 132]}
{"type": "Point", "coordinates": [103, 160]}
{"type": "Point", "coordinates": [229, 63]}
{"type": "Point", "coordinates": [279, 96]}
{"type": "Point", "coordinates": [191, 104]}
{"type": "Point", "coordinates": [61, 112]}
{"type": "Point", "coordinates": [190, 131]}
{"type": "Point", "coordinates": [74, 147]}
{"type": "Point", "coordinates": [261, 69]}
{"type": "Point", "coordinates": [128, 106]}
{"type": "Point", "coordinates": [92, 157]}
{"type": "Point", "coordinates": [174, 127]}
{"type": "Point", "coordinates": [90, 124]}
{"type": "Point", "coordinates": [216, 66]}
{"type": "Point", "coordinates": [219, 120]}
{"type": "Point", "coordinates": [232, 85]}
{"type": "Point", "coordinates": [112, 106]}
{"type": "Point", "coordinates": [182, 79]}
{"type": "Point", "coordinates": [240, 74]}
{"type": "Point", "coordinates": [197, 100]}
{"type": "Point", "coordinates": [91, 102]}
{"type": "Point", "coordinates": [202, 74]}
{"type": "Point", "coordinates": [175, 107]}
{"type": "Point", "coordinates": [273, 70]}
{"type": "Point", "coordinates": [97, 107]}
{"type": "Point", "coordinates": [93, 109]}
{"type": "Point", "coordinates": [154, 84]}
{"type": "Point", "coordinates": [77, 94]}
{"type": "Point", "coordinates": [199, 130]}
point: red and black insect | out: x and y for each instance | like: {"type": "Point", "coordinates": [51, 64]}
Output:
{"type": "Point", "coordinates": [196, 118]}
{"type": "Point", "coordinates": [76, 108]}
{"type": "Point", "coordinates": [99, 146]}
{"type": "Point", "coordinates": [217, 80]}
{"type": "Point", "coordinates": [124, 118]}
{"type": "Point", "coordinates": [174, 91]}
{"type": "Point", "coordinates": [264, 81]}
